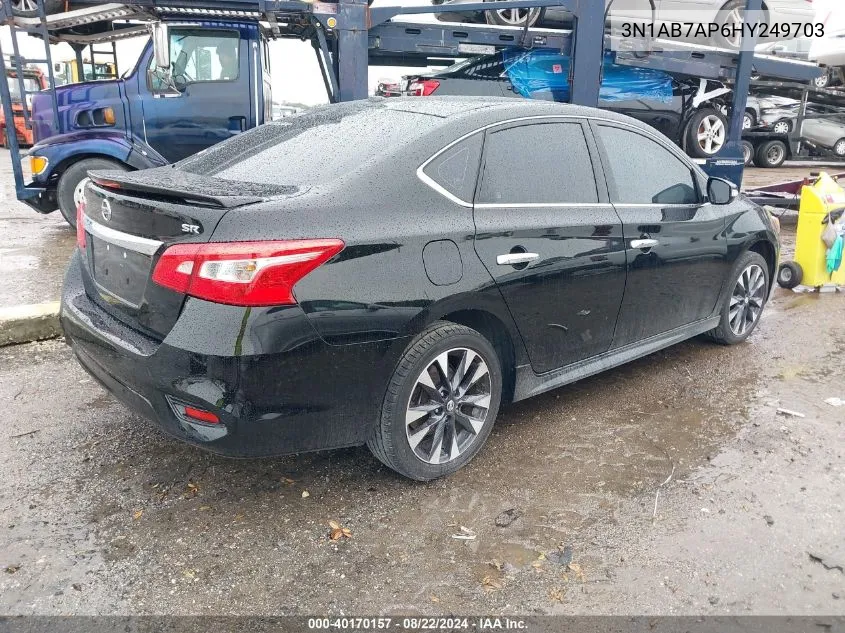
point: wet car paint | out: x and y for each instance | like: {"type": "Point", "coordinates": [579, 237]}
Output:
{"type": "Point", "coordinates": [311, 376]}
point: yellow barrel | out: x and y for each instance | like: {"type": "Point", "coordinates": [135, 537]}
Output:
{"type": "Point", "coordinates": [817, 201]}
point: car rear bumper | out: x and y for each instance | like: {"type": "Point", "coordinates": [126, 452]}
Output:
{"type": "Point", "coordinates": [303, 396]}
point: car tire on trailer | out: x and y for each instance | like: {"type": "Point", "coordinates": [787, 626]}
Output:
{"type": "Point", "coordinates": [790, 275]}
{"type": "Point", "coordinates": [749, 121]}
{"type": "Point", "coordinates": [431, 425]}
{"type": "Point", "coordinates": [747, 152]}
{"type": "Point", "coordinates": [29, 8]}
{"type": "Point", "coordinates": [823, 81]}
{"type": "Point", "coordinates": [707, 133]}
{"type": "Point", "coordinates": [743, 306]}
{"type": "Point", "coordinates": [782, 127]}
{"type": "Point", "coordinates": [514, 17]}
{"type": "Point", "coordinates": [839, 148]}
{"type": "Point", "coordinates": [72, 182]}
{"type": "Point", "coordinates": [732, 13]}
{"type": "Point", "coordinates": [771, 154]}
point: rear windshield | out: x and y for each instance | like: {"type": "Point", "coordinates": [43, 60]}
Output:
{"type": "Point", "coordinates": [314, 147]}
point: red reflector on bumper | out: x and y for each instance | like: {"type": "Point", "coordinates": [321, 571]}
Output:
{"type": "Point", "coordinates": [203, 416]}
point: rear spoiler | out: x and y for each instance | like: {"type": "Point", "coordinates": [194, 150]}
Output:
{"type": "Point", "coordinates": [168, 182]}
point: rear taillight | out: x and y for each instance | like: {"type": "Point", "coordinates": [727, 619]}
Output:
{"type": "Point", "coordinates": [80, 225]}
{"type": "Point", "coordinates": [242, 273]}
{"type": "Point", "coordinates": [202, 415]}
{"type": "Point", "coordinates": [423, 87]}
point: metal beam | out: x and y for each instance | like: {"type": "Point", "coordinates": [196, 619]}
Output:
{"type": "Point", "coordinates": [352, 67]}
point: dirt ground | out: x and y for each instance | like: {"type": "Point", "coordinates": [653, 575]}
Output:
{"type": "Point", "coordinates": [671, 485]}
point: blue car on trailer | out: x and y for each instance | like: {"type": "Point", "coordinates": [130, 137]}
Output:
{"type": "Point", "coordinates": [690, 111]}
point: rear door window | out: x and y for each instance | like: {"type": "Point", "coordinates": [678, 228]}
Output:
{"type": "Point", "coordinates": [540, 163]}
{"type": "Point", "coordinates": [641, 171]}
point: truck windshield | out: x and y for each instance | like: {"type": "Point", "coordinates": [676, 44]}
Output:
{"type": "Point", "coordinates": [317, 146]}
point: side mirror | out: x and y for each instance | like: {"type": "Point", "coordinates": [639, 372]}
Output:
{"type": "Point", "coordinates": [161, 45]}
{"type": "Point", "coordinates": [721, 191]}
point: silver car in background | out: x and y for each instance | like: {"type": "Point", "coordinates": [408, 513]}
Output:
{"type": "Point", "coordinates": [827, 132]}
{"type": "Point", "coordinates": [705, 11]}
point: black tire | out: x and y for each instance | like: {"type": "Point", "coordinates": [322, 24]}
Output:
{"type": "Point", "coordinates": [50, 6]}
{"type": "Point", "coordinates": [533, 15]}
{"type": "Point", "coordinates": [771, 154]}
{"type": "Point", "coordinates": [723, 333]}
{"type": "Point", "coordinates": [790, 275]}
{"type": "Point", "coordinates": [698, 148]}
{"type": "Point", "coordinates": [839, 148]}
{"type": "Point", "coordinates": [748, 152]}
{"type": "Point", "coordinates": [389, 441]}
{"type": "Point", "coordinates": [74, 175]}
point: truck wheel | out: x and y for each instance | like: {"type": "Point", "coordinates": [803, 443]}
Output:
{"type": "Point", "coordinates": [707, 133]}
{"type": "Point", "coordinates": [747, 152]}
{"type": "Point", "coordinates": [29, 8]}
{"type": "Point", "coordinates": [440, 404]}
{"type": "Point", "coordinates": [71, 184]}
{"type": "Point", "coordinates": [790, 275]}
{"type": "Point", "coordinates": [771, 154]}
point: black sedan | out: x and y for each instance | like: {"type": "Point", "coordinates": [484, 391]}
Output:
{"type": "Point", "coordinates": [388, 272]}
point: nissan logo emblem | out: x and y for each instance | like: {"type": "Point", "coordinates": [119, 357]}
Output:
{"type": "Point", "coordinates": [105, 210]}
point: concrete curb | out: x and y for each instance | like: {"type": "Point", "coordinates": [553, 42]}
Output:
{"type": "Point", "coordinates": [24, 324]}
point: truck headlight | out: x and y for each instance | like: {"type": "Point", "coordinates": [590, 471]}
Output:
{"type": "Point", "coordinates": [38, 164]}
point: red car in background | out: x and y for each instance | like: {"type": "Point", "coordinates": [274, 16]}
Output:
{"type": "Point", "coordinates": [33, 80]}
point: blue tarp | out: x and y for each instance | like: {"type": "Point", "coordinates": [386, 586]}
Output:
{"type": "Point", "coordinates": [544, 74]}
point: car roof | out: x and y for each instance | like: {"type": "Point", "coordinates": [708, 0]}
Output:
{"type": "Point", "coordinates": [486, 110]}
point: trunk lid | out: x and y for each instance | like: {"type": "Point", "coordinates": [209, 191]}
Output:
{"type": "Point", "coordinates": [131, 218]}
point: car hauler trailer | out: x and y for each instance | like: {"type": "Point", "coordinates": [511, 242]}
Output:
{"type": "Point", "coordinates": [347, 37]}
{"type": "Point", "coordinates": [771, 147]}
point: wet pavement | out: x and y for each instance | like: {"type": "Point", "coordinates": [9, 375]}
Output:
{"type": "Point", "coordinates": [671, 485]}
{"type": "Point", "coordinates": [34, 248]}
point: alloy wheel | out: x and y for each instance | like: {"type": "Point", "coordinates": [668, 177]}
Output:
{"type": "Point", "coordinates": [734, 21]}
{"type": "Point", "coordinates": [711, 134]}
{"type": "Point", "coordinates": [24, 5]}
{"type": "Point", "coordinates": [747, 300]}
{"type": "Point", "coordinates": [747, 121]}
{"type": "Point", "coordinates": [517, 17]}
{"type": "Point", "coordinates": [448, 406]}
{"type": "Point", "coordinates": [839, 148]}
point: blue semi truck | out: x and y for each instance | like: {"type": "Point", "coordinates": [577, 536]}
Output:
{"type": "Point", "coordinates": [218, 85]}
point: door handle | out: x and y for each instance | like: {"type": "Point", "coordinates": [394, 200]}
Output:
{"type": "Point", "coordinates": [644, 244]}
{"type": "Point", "coordinates": [514, 259]}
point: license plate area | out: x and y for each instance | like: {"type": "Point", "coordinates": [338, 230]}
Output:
{"type": "Point", "coordinates": [120, 273]}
